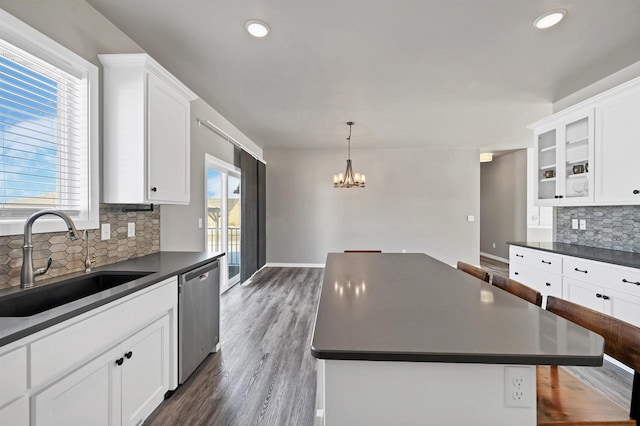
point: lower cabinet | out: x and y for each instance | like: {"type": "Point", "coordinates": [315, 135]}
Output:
{"type": "Point", "coordinates": [15, 413]}
{"type": "Point", "coordinates": [585, 294]}
{"type": "Point", "coordinates": [120, 387]}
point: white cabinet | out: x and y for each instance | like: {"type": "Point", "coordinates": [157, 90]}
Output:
{"type": "Point", "coordinates": [120, 387]}
{"type": "Point", "coordinates": [145, 372]}
{"type": "Point", "coordinates": [85, 397]}
{"type": "Point", "coordinates": [536, 269]}
{"type": "Point", "coordinates": [15, 413]}
{"type": "Point", "coordinates": [146, 132]}
{"type": "Point", "coordinates": [611, 289]}
{"type": "Point", "coordinates": [589, 154]}
{"type": "Point", "coordinates": [564, 152]}
{"type": "Point", "coordinates": [111, 365]}
{"type": "Point", "coordinates": [618, 149]}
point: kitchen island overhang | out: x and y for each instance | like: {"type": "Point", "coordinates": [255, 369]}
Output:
{"type": "Point", "coordinates": [443, 343]}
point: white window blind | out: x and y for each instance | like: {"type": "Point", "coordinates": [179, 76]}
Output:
{"type": "Point", "coordinates": [43, 136]}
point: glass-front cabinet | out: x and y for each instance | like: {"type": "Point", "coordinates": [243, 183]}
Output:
{"type": "Point", "coordinates": [564, 152]}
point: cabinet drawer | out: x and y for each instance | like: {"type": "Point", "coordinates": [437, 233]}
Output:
{"type": "Point", "coordinates": [13, 371]}
{"type": "Point", "coordinates": [67, 347]}
{"type": "Point", "coordinates": [547, 283]}
{"type": "Point", "coordinates": [610, 276]}
{"type": "Point", "coordinates": [536, 259]}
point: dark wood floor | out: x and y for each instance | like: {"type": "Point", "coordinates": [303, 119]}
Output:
{"type": "Point", "coordinates": [264, 373]}
{"type": "Point", "coordinates": [610, 380]}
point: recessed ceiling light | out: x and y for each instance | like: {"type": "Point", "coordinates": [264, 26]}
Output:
{"type": "Point", "coordinates": [257, 28]}
{"type": "Point", "coordinates": [549, 19]}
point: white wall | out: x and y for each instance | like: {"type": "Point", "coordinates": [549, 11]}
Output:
{"type": "Point", "coordinates": [503, 202]}
{"type": "Point", "coordinates": [75, 24]}
{"type": "Point", "coordinates": [416, 200]}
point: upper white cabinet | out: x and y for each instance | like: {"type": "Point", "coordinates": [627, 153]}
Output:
{"type": "Point", "coordinates": [146, 132]}
{"type": "Point", "coordinates": [589, 154]}
{"type": "Point", "coordinates": [564, 153]}
{"type": "Point", "coordinates": [618, 149]}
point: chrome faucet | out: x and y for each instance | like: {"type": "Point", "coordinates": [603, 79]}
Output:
{"type": "Point", "coordinates": [27, 274]}
{"type": "Point", "coordinates": [87, 260]}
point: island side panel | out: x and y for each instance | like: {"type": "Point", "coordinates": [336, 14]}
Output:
{"type": "Point", "coordinates": [383, 393]}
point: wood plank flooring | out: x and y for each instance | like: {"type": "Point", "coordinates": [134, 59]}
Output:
{"type": "Point", "coordinates": [264, 373]}
{"type": "Point", "coordinates": [610, 380]}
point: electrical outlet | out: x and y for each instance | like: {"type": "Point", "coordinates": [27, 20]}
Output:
{"type": "Point", "coordinates": [471, 218]}
{"type": "Point", "coordinates": [131, 229]}
{"type": "Point", "coordinates": [200, 222]}
{"type": "Point", "coordinates": [105, 231]}
{"type": "Point", "coordinates": [494, 245]}
{"type": "Point", "coordinates": [404, 250]}
{"type": "Point", "coordinates": [583, 224]}
{"type": "Point", "coordinates": [519, 391]}
{"type": "Point", "coordinates": [574, 223]}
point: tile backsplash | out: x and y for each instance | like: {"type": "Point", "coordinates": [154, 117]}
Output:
{"type": "Point", "coordinates": [68, 256]}
{"type": "Point", "coordinates": [610, 227]}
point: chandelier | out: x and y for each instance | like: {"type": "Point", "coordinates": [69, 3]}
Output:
{"type": "Point", "coordinates": [348, 179]}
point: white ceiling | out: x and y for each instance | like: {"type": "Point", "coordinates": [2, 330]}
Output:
{"type": "Point", "coordinates": [417, 73]}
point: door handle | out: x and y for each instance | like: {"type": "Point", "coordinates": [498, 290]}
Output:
{"type": "Point", "coordinates": [119, 361]}
{"type": "Point", "coordinates": [203, 276]}
{"type": "Point", "coordinates": [598, 295]}
{"type": "Point", "coordinates": [548, 284]}
{"type": "Point", "coordinates": [605, 297]}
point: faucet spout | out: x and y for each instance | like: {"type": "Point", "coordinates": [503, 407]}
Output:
{"type": "Point", "coordinates": [27, 273]}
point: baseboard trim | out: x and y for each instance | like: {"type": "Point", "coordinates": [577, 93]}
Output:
{"type": "Point", "coordinates": [294, 265]}
{"type": "Point", "coordinates": [491, 256]}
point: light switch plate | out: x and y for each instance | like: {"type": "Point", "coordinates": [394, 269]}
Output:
{"type": "Point", "coordinates": [574, 223]}
{"type": "Point", "coordinates": [583, 224]}
{"type": "Point", "coordinates": [200, 222]}
{"type": "Point", "coordinates": [105, 231]}
{"type": "Point", "coordinates": [131, 229]}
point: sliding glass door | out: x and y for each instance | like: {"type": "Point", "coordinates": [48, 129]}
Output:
{"type": "Point", "coordinates": [223, 216]}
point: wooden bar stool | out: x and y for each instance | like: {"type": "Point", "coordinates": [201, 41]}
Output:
{"type": "Point", "coordinates": [517, 289]}
{"type": "Point", "coordinates": [565, 400]}
{"type": "Point", "coordinates": [474, 270]}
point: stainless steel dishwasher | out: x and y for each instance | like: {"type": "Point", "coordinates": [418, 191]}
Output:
{"type": "Point", "coordinates": [198, 317]}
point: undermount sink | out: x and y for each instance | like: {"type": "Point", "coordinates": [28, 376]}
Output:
{"type": "Point", "coordinates": [39, 299]}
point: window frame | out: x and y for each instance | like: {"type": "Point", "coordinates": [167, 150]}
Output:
{"type": "Point", "coordinates": [27, 38]}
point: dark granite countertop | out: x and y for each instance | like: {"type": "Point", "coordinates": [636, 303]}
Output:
{"type": "Point", "coordinates": [412, 307]}
{"type": "Point", "coordinates": [617, 257]}
{"type": "Point", "coordinates": [162, 265]}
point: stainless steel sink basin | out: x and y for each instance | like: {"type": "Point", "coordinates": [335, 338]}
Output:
{"type": "Point", "coordinates": [39, 299]}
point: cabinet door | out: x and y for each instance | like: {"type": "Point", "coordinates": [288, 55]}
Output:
{"type": "Point", "coordinates": [618, 149]}
{"type": "Point", "coordinates": [145, 372]}
{"type": "Point", "coordinates": [85, 397]}
{"type": "Point", "coordinates": [623, 306]}
{"type": "Point", "coordinates": [577, 149]}
{"type": "Point", "coordinates": [584, 294]}
{"type": "Point", "coordinates": [16, 413]}
{"type": "Point", "coordinates": [545, 166]}
{"type": "Point", "coordinates": [167, 143]}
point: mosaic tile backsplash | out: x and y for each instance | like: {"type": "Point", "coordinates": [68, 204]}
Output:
{"type": "Point", "coordinates": [68, 256]}
{"type": "Point", "coordinates": [610, 227]}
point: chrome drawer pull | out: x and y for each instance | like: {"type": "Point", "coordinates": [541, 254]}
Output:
{"type": "Point", "coordinates": [580, 270]}
{"type": "Point", "coordinates": [624, 280]}
{"type": "Point", "coordinates": [544, 261]}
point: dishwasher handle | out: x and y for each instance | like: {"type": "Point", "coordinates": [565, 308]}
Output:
{"type": "Point", "coordinates": [201, 273]}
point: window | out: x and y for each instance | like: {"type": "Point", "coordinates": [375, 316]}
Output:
{"type": "Point", "coordinates": [48, 130]}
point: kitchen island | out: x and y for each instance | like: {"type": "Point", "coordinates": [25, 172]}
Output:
{"type": "Point", "coordinates": [407, 339]}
